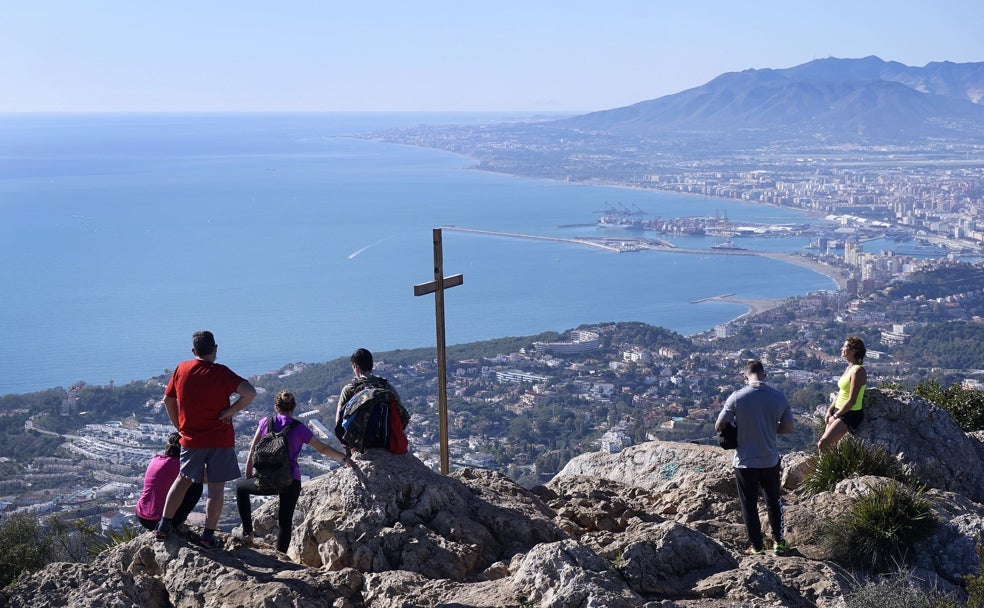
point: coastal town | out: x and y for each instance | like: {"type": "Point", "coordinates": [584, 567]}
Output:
{"type": "Point", "coordinates": [928, 198]}
{"type": "Point", "coordinates": [525, 406]}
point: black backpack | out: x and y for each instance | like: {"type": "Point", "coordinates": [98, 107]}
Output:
{"type": "Point", "coordinates": [728, 438]}
{"type": "Point", "coordinates": [365, 418]}
{"type": "Point", "coordinates": [271, 458]}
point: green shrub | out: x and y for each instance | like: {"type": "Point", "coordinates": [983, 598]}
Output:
{"type": "Point", "coordinates": [879, 528]}
{"type": "Point", "coordinates": [897, 591]}
{"type": "Point", "coordinates": [966, 406]}
{"type": "Point", "coordinates": [975, 582]}
{"type": "Point", "coordinates": [849, 457]}
{"type": "Point", "coordinates": [112, 538]}
{"type": "Point", "coordinates": [24, 547]}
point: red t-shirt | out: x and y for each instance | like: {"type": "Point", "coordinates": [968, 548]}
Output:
{"type": "Point", "coordinates": [203, 390]}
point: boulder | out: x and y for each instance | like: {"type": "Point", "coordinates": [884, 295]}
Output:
{"type": "Point", "coordinates": [925, 439]}
{"type": "Point", "coordinates": [144, 573]}
{"type": "Point", "coordinates": [395, 513]}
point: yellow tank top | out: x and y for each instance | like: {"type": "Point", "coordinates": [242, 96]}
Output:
{"type": "Point", "coordinates": [844, 384]}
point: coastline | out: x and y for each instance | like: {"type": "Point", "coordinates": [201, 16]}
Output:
{"type": "Point", "coordinates": [836, 274]}
{"type": "Point", "coordinates": [754, 306]}
{"type": "Point", "coordinates": [758, 306]}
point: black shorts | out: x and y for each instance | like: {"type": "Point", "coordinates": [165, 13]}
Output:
{"type": "Point", "coordinates": [852, 419]}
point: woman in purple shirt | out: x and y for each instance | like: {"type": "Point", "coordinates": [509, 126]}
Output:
{"type": "Point", "coordinates": [296, 438]}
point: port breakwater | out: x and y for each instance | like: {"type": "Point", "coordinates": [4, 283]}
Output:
{"type": "Point", "coordinates": [622, 245]}
{"type": "Point", "coordinates": [613, 244]}
{"type": "Point", "coordinates": [600, 244]}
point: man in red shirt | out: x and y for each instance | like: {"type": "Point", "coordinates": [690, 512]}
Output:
{"type": "Point", "coordinates": [197, 400]}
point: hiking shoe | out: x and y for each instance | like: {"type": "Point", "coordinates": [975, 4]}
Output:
{"type": "Point", "coordinates": [209, 544]}
{"type": "Point", "coordinates": [780, 548]}
{"type": "Point", "coordinates": [182, 531]}
{"type": "Point", "coordinates": [754, 551]}
{"type": "Point", "coordinates": [246, 539]}
{"type": "Point", "coordinates": [161, 535]}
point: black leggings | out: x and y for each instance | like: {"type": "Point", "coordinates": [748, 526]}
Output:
{"type": "Point", "coordinates": [285, 515]}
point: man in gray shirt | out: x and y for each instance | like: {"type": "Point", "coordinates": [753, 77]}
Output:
{"type": "Point", "coordinates": [761, 413]}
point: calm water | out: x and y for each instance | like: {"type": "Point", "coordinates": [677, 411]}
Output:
{"type": "Point", "coordinates": [122, 235]}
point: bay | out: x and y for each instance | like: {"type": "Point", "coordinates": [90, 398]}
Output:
{"type": "Point", "coordinates": [123, 234]}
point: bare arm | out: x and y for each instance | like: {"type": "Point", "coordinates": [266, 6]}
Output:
{"type": "Point", "coordinates": [331, 452]}
{"type": "Point", "coordinates": [171, 405]}
{"type": "Point", "coordinates": [246, 395]}
{"type": "Point", "coordinates": [252, 449]}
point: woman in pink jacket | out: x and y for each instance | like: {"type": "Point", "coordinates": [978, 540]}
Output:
{"type": "Point", "coordinates": [161, 472]}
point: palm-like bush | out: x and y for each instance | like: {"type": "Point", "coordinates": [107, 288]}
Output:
{"type": "Point", "coordinates": [112, 538]}
{"type": "Point", "coordinates": [880, 527]}
{"type": "Point", "coordinates": [848, 458]}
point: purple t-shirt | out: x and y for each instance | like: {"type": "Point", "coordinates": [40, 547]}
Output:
{"type": "Point", "coordinates": [296, 438]}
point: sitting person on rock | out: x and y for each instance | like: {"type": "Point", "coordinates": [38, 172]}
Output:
{"type": "Point", "coordinates": [297, 436]}
{"type": "Point", "coordinates": [161, 472]}
{"type": "Point", "coordinates": [390, 434]}
{"type": "Point", "coordinates": [845, 413]}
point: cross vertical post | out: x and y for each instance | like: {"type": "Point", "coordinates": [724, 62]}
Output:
{"type": "Point", "coordinates": [437, 287]}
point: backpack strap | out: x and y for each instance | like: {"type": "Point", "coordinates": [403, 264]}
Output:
{"type": "Point", "coordinates": [290, 425]}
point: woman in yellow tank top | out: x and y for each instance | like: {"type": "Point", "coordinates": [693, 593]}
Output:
{"type": "Point", "coordinates": [845, 413]}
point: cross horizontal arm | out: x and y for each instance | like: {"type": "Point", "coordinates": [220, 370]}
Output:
{"type": "Point", "coordinates": [426, 288]}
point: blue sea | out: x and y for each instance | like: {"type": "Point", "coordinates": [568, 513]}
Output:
{"type": "Point", "coordinates": [292, 241]}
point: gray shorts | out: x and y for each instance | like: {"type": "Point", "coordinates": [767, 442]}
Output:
{"type": "Point", "coordinates": [219, 464]}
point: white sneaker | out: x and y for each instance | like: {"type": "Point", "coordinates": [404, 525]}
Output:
{"type": "Point", "coordinates": [246, 539]}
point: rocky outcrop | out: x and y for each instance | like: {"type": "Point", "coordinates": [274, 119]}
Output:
{"type": "Point", "coordinates": [144, 573]}
{"type": "Point", "coordinates": [395, 513]}
{"type": "Point", "coordinates": [926, 440]}
{"type": "Point", "coordinates": [655, 525]}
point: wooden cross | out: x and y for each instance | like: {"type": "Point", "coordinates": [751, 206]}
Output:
{"type": "Point", "coordinates": [437, 287]}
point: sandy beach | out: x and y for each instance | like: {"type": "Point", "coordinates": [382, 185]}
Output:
{"type": "Point", "coordinates": [759, 306]}
{"type": "Point", "coordinates": [800, 260]}
{"type": "Point", "coordinates": [754, 306]}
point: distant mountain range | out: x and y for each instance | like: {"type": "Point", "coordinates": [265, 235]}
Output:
{"type": "Point", "coordinates": [862, 100]}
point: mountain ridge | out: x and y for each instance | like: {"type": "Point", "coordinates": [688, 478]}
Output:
{"type": "Point", "coordinates": [839, 99]}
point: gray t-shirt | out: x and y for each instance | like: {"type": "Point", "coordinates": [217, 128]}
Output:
{"type": "Point", "coordinates": [757, 409]}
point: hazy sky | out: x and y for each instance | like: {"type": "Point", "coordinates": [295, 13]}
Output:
{"type": "Point", "coordinates": [372, 55]}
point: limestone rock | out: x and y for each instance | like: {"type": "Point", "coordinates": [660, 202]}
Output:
{"type": "Point", "coordinates": [663, 559]}
{"type": "Point", "coordinates": [186, 577]}
{"type": "Point", "coordinates": [64, 584]}
{"type": "Point", "coordinates": [397, 514]}
{"type": "Point", "coordinates": [925, 438]}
